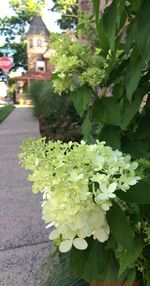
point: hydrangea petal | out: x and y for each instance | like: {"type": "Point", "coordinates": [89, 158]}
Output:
{"type": "Point", "coordinates": [132, 182]}
{"type": "Point", "coordinates": [65, 246]}
{"type": "Point", "coordinates": [103, 188]}
{"type": "Point", "coordinates": [112, 195]}
{"type": "Point", "coordinates": [101, 197]}
{"type": "Point", "coordinates": [112, 187]}
{"type": "Point", "coordinates": [134, 165]}
{"type": "Point", "coordinates": [106, 206]}
{"type": "Point", "coordinates": [54, 234]}
{"type": "Point", "coordinates": [101, 235]}
{"type": "Point", "coordinates": [80, 243]}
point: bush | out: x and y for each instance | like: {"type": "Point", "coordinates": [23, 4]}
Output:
{"type": "Point", "coordinates": [57, 116]}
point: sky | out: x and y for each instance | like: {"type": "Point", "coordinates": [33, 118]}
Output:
{"type": "Point", "coordinates": [49, 17]}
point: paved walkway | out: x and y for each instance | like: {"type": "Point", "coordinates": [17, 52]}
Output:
{"type": "Point", "coordinates": [23, 237]}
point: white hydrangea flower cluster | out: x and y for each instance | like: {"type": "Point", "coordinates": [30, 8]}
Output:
{"type": "Point", "coordinates": [78, 182]}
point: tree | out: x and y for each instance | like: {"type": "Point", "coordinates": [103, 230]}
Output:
{"type": "Point", "coordinates": [69, 11]}
{"type": "Point", "coordinates": [14, 27]}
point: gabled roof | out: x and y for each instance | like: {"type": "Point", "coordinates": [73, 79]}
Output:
{"type": "Point", "coordinates": [37, 27]}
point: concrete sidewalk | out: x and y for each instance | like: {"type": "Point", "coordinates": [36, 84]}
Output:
{"type": "Point", "coordinates": [23, 237]}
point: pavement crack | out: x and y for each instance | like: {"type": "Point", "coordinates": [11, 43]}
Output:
{"type": "Point", "coordinates": [24, 245]}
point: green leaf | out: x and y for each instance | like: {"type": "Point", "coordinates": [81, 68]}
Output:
{"type": "Point", "coordinates": [116, 73]}
{"type": "Point", "coordinates": [127, 259]}
{"type": "Point", "coordinates": [61, 273]}
{"type": "Point", "coordinates": [130, 37]}
{"type": "Point", "coordinates": [133, 73]}
{"type": "Point", "coordinates": [142, 30]}
{"type": "Point", "coordinates": [143, 128]}
{"type": "Point", "coordinates": [133, 107]}
{"type": "Point", "coordinates": [112, 136]}
{"type": "Point", "coordinates": [120, 227]}
{"type": "Point", "coordinates": [86, 127]}
{"type": "Point", "coordinates": [109, 21]}
{"type": "Point", "coordinates": [139, 194]}
{"type": "Point", "coordinates": [120, 12]}
{"type": "Point", "coordinates": [89, 263]}
{"type": "Point", "coordinates": [147, 264]}
{"type": "Point", "coordinates": [111, 269]}
{"type": "Point", "coordinates": [94, 263]}
{"type": "Point", "coordinates": [134, 6]}
{"type": "Point", "coordinates": [130, 111]}
{"type": "Point", "coordinates": [137, 148]}
{"type": "Point", "coordinates": [128, 276]}
{"type": "Point", "coordinates": [80, 98]}
{"type": "Point", "coordinates": [107, 111]}
{"type": "Point", "coordinates": [103, 42]}
{"type": "Point", "coordinates": [96, 4]}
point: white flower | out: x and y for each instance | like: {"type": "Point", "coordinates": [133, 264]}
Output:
{"type": "Point", "coordinates": [106, 193]}
{"type": "Point", "coordinates": [79, 183]}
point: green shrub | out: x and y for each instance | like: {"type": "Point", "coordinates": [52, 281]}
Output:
{"type": "Point", "coordinates": [45, 99]}
{"type": "Point", "coordinates": [57, 116]}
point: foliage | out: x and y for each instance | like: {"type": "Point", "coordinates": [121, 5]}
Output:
{"type": "Point", "coordinates": [68, 10]}
{"type": "Point", "coordinates": [76, 65]}
{"type": "Point", "coordinates": [57, 116]}
{"type": "Point", "coordinates": [12, 89]}
{"type": "Point", "coordinates": [61, 274]}
{"type": "Point", "coordinates": [72, 19]}
{"type": "Point", "coordinates": [43, 96]}
{"type": "Point", "coordinates": [24, 12]}
{"type": "Point", "coordinates": [20, 56]}
{"type": "Point", "coordinates": [115, 69]}
{"type": "Point", "coordinates": [129, 78]}
{"type": "Point", "coordinates": [5, 111]}
{"type": "Point", "coordinates": [86, 27]}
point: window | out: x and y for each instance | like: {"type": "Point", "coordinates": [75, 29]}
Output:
{"type": "Point", "coordinates": [30, 43]}
{"type": "Point", "coordinates": [39, 43]}
{"type": "Point", "coordinates": [40, 65]}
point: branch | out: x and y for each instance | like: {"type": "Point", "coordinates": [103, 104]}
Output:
{"type": "Point", "coordinates": [70, 15]}
{"type": "Point", "coordinates": [123, 28]}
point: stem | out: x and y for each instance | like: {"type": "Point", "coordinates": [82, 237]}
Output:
{"type": "Point", "coordinates": [70, 15]}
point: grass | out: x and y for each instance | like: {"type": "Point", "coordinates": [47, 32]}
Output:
{"type": "Point", "coordinates": [5, 111]}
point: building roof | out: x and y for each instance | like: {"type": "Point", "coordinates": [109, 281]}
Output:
{"type": "Point", "coordinates": [37, 27]}
{"type": "Point", "coordinates": [34, 75]}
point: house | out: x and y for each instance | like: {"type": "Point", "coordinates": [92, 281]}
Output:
{"type": "Point", "coordinates": [38, 43]}
{"type": "Point", "coordinates": [38, 54]}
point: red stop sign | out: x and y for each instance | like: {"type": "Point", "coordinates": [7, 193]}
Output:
{"type": "Point", "coordinates": [5, 64]}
